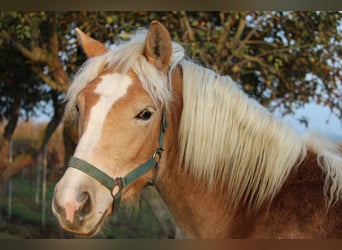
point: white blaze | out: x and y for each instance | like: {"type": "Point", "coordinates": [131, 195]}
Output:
{"type": "Point", "coordinates": [110, 89]}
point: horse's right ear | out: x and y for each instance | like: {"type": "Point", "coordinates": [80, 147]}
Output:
{"type": "Point", "coordinates": [158, 46]}
{"type": "Point", "coordinates": [90, 46]}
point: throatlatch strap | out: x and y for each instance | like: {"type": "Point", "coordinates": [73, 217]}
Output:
{"type": "Point", "coordinates": [136, 173]}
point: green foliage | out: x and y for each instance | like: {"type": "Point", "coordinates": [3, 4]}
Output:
{"type": "Point", "coordinates": [17, 81]}
{"type": "Point", "coordinates": [284, 59]}
{"type": "Point", "coordinates": [19, 85]}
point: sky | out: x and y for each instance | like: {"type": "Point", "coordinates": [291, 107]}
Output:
{"type": "Point", "coordinates": [320, 119]}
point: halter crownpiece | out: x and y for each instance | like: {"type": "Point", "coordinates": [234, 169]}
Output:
{"type": "Point", "coordinates": [122, 182]}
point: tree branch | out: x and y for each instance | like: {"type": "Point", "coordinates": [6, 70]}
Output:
{"type": "Point", "coordinates": [270, 68]}
{"type": "Point", "coordinates": [36, 55]}
{"type": "Point", "coordinates": [240, 29]}
{"type": "Point", "coordinates": [249, 35]}
{"type": "Point", "coordinates": [49, 81]}
{"type": "Point", "coordinates": [189, 33]}
{"type": "Point", "coordinates": [276, 51]}
{"type": "Point", "coordinates": [223, 36]}
{"type": "Point", "coordinates": [54, 43]}
{"type": "Point", "coordinates": [55, 65]}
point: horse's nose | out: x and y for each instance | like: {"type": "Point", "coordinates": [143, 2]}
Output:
{"type": "Point", "coordinates": [73, 207]}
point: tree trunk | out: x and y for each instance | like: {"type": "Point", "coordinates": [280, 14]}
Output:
{"type": "Point", "coordinates": [38, 177]}
{"type": "Point", "coordinates": [13, 120]}
{"type": "Point", "coordinates": [54, 122]}
{"type": "Point", "coordinates": [44, 161]}
{"type": "Point", "coordinates": [10, 182]}
{"type": "Point", "coordinates": [7, 136]}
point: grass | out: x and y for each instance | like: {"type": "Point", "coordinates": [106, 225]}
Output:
{"type": "Point", "coordinates": [26, 218]}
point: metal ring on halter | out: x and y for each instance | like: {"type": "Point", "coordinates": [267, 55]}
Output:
{"type": "Point", "coordinates": [119, 183]}
{"type": "Point", "coordinates": [156, 166]}
{"type": "Point", "coordinates": [159, 153]}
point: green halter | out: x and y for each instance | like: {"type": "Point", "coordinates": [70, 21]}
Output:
{"type": "Point", "coordinates": [123, 182]}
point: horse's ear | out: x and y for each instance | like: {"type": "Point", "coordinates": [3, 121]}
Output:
{"type": "Point", "coordinates": [90, 46]}
{"type": "Point", "coordinates": [158, 46]}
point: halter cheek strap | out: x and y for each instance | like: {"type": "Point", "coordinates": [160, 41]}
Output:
{"type": "Point", "coordinates": [122, 182]}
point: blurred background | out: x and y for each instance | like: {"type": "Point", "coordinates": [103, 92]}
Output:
{"type": "Point", "coordinates": [289, 61]}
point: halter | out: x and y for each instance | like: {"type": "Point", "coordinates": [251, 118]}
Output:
{"type": "Point", "coordinates": [123, 182]}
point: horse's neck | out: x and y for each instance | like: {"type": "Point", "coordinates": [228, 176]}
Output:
{"type": "Point", "coordinates": [198, 212]}
{"type": "Point", "coordinates": [190, 203]}
{"type": "Point", "coordinates": [188, 200]}
{"type": "Point", "coordinates": [203, 214]}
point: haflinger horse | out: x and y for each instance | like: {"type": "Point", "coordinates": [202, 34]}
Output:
{"type": "Point", "coordinates": [224, 165]}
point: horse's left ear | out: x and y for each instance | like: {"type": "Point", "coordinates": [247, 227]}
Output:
{"type": "Point", "coordinates": [158, 46]}
{"type": "Point", "coordinates": [90, 46]}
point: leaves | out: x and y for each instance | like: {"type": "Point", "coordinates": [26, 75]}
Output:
{"type": "Point", "coordinates": [283, 59]}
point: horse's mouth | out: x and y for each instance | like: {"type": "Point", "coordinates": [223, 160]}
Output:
{"type": "Point", "coordinates": [90, 233]}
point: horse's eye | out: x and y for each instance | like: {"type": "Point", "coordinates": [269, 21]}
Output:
{"type": "Point", "coordinates": [144, 115]}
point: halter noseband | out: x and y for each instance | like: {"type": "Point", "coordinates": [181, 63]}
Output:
{"type": "Point", "coordinates": [123, 182]}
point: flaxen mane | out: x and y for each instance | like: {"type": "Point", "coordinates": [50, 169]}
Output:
{"type": "Point", "coordinates": [225, 137]}
{"type": "Point", "coordinates": [229, 138]}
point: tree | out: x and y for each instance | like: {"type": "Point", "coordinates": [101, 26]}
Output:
{"type": "Point", "coordinates": [283, 59]}
{"type": "Point", "coordinates": [24, 90]}
{"type": "Point", "coordinates": [21, 93]}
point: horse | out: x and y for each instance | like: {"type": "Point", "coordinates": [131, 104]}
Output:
{"type": "Point", "coordinates": [224, 165]}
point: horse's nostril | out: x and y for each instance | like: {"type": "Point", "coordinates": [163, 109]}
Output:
{"type": "Point", "coordinates": [74, 208]}
{"type": "Point", "coordinates": [86, 204]}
